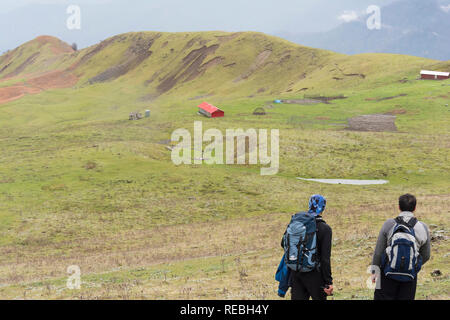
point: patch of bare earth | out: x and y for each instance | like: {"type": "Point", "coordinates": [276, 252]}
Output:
{"type": "Point", "coordinates": [9, 94]}
{"type": "Point", "coordinates": [202, 96]}
{"type": "Point", "coordinates": [396, 112]}
{"type": "Point", "coordinates": [437, 97]}
{"type": "Point", "coordinates": [56, 46]}
{"type": "Point", "coordinates": [50, 80]}
{"type": "Point", "coordinates": [285, 56]}
{"type": "Point", "coordinates": [30, 60]}
{"type": "Point", "coordinates": [386, 98]}
{"type": "Point", "coordinates": [302, 101]}
{"type": "Point", "coordinates": [342, 73]}
{"type": "Point", "coordinates": [92, 52]}
{"type": "Point", "coordinates": [325, 99]}
{"type": "Point", "coordinates": [224, 39]}
{"type": "Point", "coordinates": [256, 65]}
{"type": "Point", "coordinates": [53, 80]}
{"type": "Point", "coordinates": [192, 67]}
{"type": "Point", "coordinates": [137, 53]}
{"type": "Point", "coordinates": [373, 122]}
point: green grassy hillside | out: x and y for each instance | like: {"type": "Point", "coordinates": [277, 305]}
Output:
{"type": "Point", "coordinates": [208, 63]}
{"type": "Point", "coordinates": [82, 185]}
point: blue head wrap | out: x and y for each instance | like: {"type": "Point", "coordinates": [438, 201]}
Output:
{"type": "Point", "coordinates": [317, 204]}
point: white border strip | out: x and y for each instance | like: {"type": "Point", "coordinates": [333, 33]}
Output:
{"type": "Point", "coordinates": [347, 181]}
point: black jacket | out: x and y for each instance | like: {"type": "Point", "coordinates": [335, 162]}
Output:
{"type": "Point", "coordinates": [324, 242]}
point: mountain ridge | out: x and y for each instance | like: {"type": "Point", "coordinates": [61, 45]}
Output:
{"type": "Point", "coordinates": [197, 63]}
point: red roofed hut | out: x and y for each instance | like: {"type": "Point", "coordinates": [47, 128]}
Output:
{"type": "Point", "coordinates": [434, 75]}
{"type": "Point", "coordinates": [210, 111]}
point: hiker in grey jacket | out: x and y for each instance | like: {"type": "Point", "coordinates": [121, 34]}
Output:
{"type": "Point", "coordinates": [392, 289]}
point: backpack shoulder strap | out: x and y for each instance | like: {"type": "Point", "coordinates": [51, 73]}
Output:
{"type": "Point", "coordinates": [399, 220]}
{"type": "Point", "coordinates": [411, 223]}
{"type": "Point", "coordinates": [399, 225]}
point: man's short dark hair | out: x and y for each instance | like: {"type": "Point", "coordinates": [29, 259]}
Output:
{"type": "Point", "coordinates": [407, 202]}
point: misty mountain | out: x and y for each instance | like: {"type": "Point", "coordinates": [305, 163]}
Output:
{"type": "Point", "coordinates": [412, 27]}
{"type": "Point", "coordinates": [101, 19]}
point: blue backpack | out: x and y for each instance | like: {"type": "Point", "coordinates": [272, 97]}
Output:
{"type": "Point", "coordinates": [300, 243]}
{"type": "Point", "coordinates": [402, 260]}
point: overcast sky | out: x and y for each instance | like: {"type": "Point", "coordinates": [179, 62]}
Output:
{"type": "Point", "coordinates": [23, 20]}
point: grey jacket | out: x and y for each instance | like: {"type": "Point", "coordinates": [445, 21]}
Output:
{"type": "Point", "coordinates": [422, 235]}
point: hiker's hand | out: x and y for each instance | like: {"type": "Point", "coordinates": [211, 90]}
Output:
{"type": "Point", "coordinates": [329, 290]}
{"type": "Point", "coordinates": [374, 278]}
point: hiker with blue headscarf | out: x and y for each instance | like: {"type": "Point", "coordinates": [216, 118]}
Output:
{"type": "Point", "coordinates": [307, 247]}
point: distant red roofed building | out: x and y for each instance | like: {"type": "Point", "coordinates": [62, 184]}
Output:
{"type": "Point", "coordinates": [434, 75]}
{"type": "Point", "coordinates": [210, 111]}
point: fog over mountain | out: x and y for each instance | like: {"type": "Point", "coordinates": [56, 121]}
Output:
{"type": "Point", "coordinates": [413, 27]}
{"type": "Point", "coordinates": [23, 20]}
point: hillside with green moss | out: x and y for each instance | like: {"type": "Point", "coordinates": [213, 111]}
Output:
{"type": "Point", "coordinates": [207, 63]}
{"type": "Point", "coordinates": [80, 184]}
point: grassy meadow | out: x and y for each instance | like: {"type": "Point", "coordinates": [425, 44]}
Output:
{"type": "Point", "coordinates": [82, 185]}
